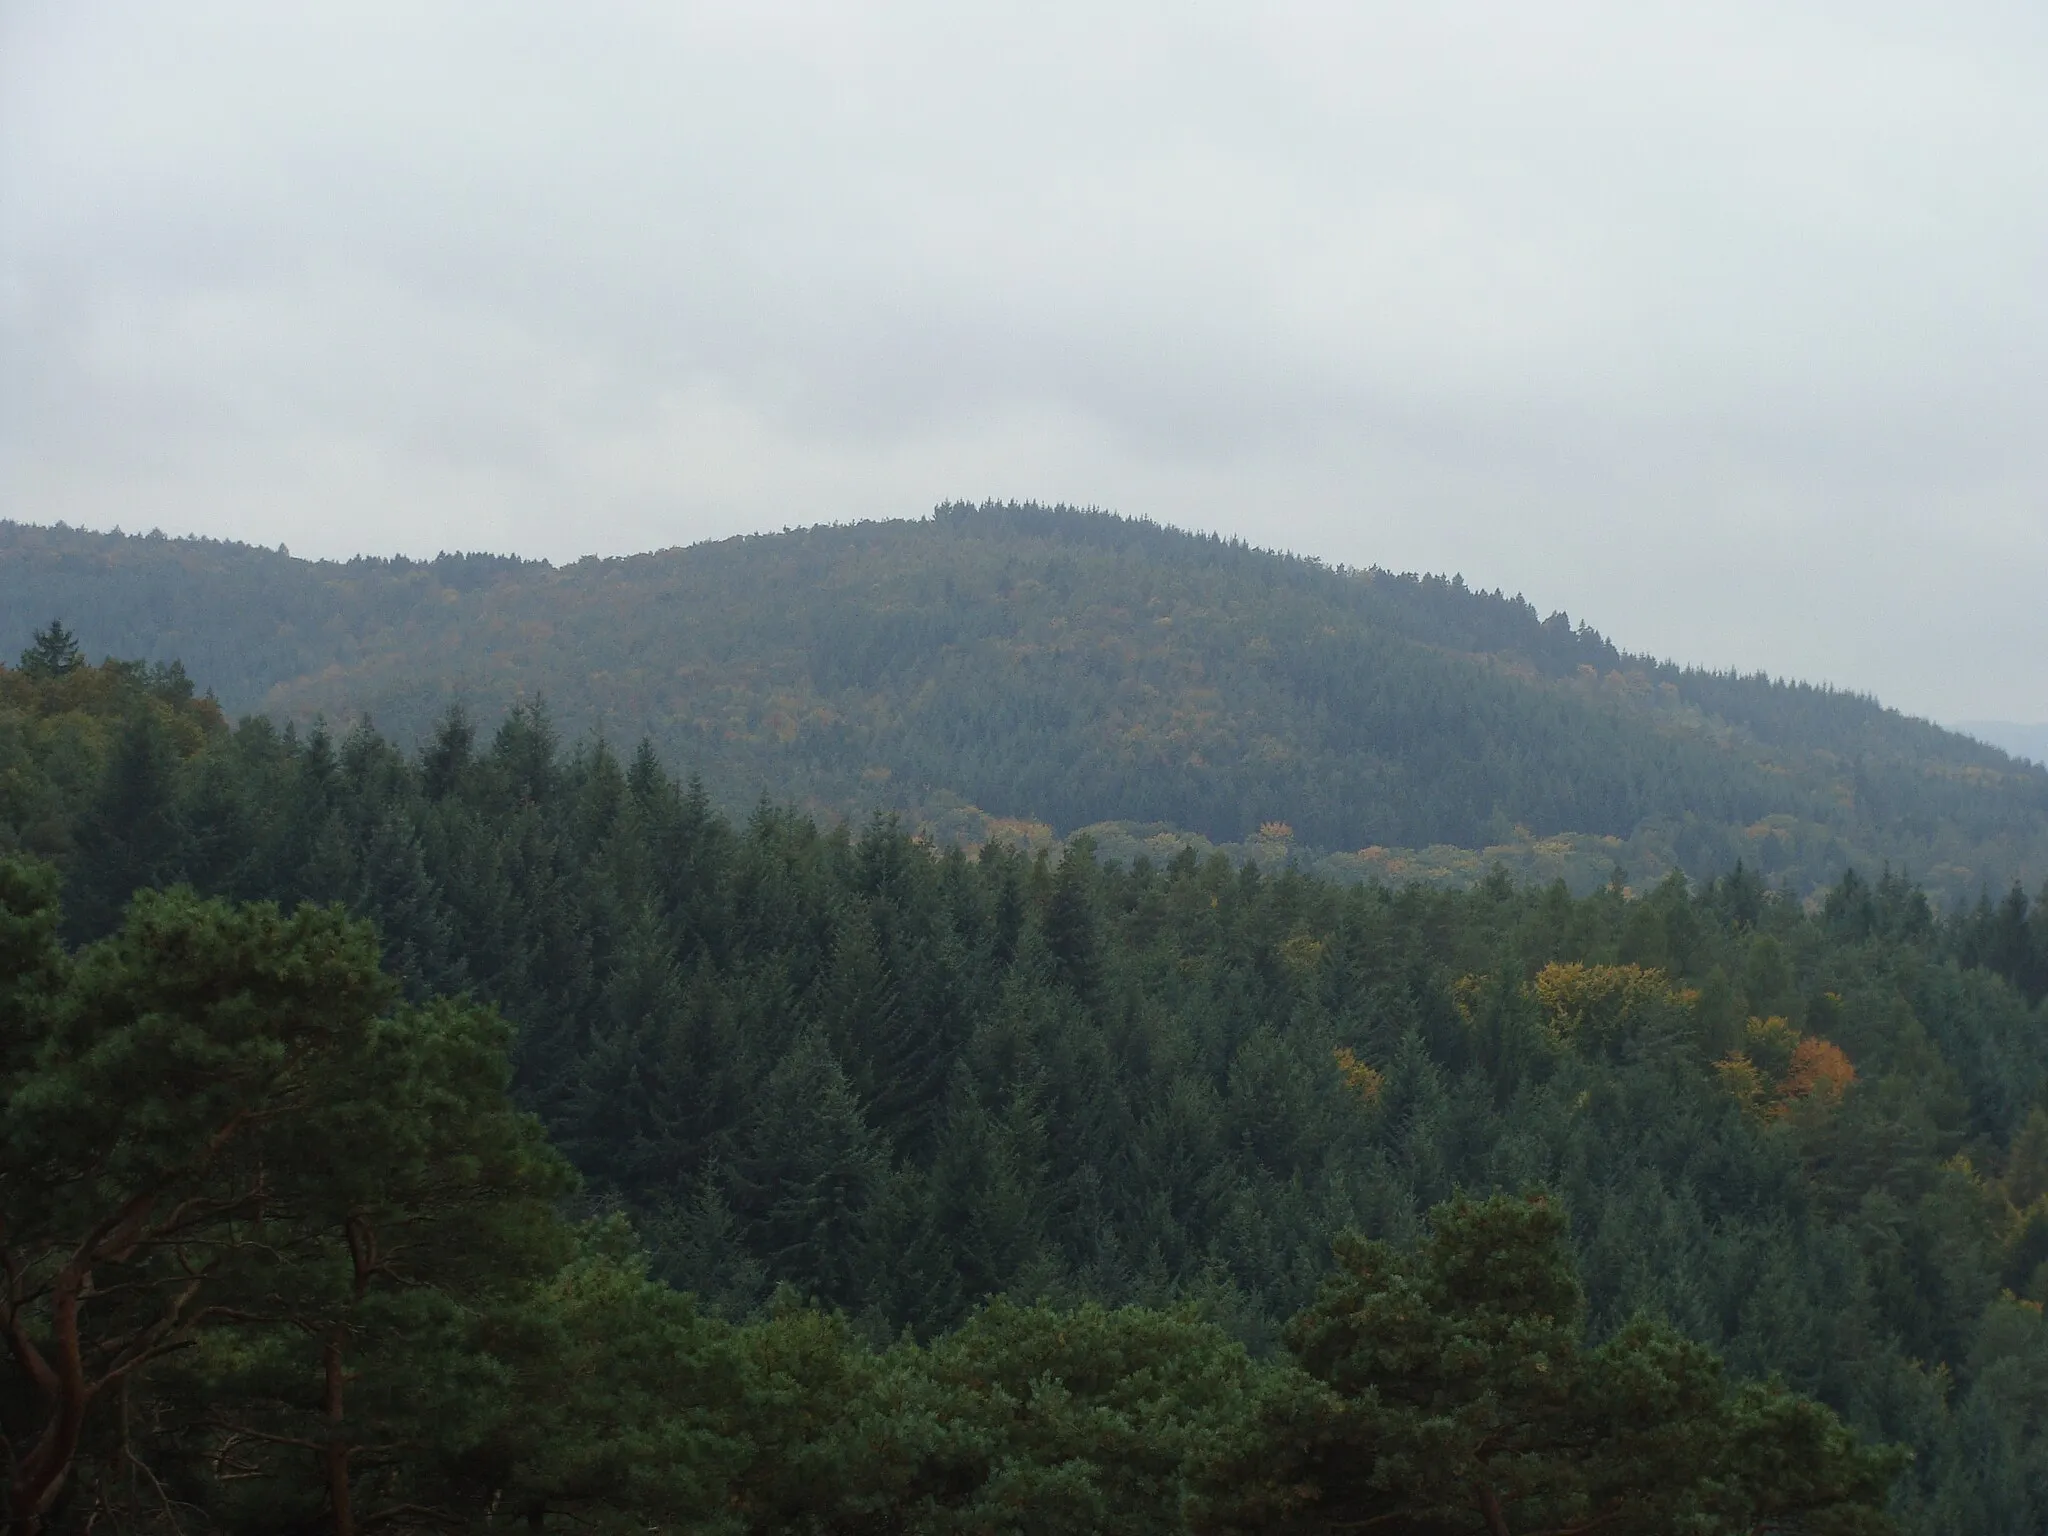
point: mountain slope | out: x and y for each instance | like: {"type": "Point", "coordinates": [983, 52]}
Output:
{"type": "Point", "coordinates": [1026, 668]}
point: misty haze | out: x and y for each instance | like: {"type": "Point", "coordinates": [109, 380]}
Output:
{"type": "Point", "coordinates": [871, 768]}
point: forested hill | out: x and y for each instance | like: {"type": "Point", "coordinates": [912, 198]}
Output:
{"type": "Point", "coordinates": [1030, 672]}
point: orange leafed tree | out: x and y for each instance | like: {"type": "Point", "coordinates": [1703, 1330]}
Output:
{"type": "Point", "coordinates": [1820, 1071]}
{"type": "Point", "coordinates": [1783, 1068]}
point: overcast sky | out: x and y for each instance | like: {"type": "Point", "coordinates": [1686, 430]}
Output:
{"type": "Point", "coordinates": [1724, 326]}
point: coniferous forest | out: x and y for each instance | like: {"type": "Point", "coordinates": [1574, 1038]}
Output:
{"type": "Point", "coordinates": [1030, 672]}
{"type": "Point", "coordinates": [496, 1130]}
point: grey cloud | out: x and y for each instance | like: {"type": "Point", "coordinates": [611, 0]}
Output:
{"type": "Point", "coordinates": [1720, 326]}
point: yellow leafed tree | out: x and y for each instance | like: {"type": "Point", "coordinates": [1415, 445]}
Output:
{"type": "Point", "coordinates": [1361, 1078]}
{"type": "Point", "coordinates": [1602, 1004]}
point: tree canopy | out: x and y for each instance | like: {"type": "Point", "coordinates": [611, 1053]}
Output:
{"type": "Point", "coordinates": [280, 1253]}
{"type": "Point", "coordinates": [1047, 668]}
{"type": "Point", "coordinates": [851, 1090]}
{"type": "Point", "coordinates": [1459, 1394]}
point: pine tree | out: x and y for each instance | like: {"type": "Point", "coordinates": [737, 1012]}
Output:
{"type": "Point", "coordinates": [1459, 1395]}
{"type": "Point", "coordinates": [220, 1121]}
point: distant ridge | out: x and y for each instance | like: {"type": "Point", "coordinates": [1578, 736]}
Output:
{"type": "Point", "coordinates": [1027, 672]}
{"type": "Point", "coordinates": [2020, 739]}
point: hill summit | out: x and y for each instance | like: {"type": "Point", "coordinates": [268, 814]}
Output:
{"type": "Point", "coordinates": [1028, 672]}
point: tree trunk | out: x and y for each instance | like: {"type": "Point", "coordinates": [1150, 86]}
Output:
{"type": "Point", "coordinates": [336, 1453]}
{"type": "Point", "coordinates": [39, 1475]}
{"type": "Point", "coordinates": [1490, 1510]}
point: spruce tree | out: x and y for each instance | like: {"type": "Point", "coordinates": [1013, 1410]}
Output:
{"type": "Point", "coordinates": [1071, 933]}
{"type": "Point", "coordinates": [132, 836]}
{"type": "Point", "coordinates": [812, 1172]}
{"type": "Point", "coordinates": [52, 653]}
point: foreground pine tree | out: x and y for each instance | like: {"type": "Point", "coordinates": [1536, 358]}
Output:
{"type": "Point", "coordinates": [1453, 1391]}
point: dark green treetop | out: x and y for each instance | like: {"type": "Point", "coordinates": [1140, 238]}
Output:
{"type": "Point", "coordinates": [279, 1254]}
{"type": "Point", "coordinates": [53, 653]}
{"type": "Point", "coordinates": [1460, 1395]}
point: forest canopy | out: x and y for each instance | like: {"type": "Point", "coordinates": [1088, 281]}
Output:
{"type": "Point", "coordinates": [823, 1154]}
{"type": "Point", "coordinates": [281, 1254]}
{"type": "Point", "coordinates": [1025, 671]}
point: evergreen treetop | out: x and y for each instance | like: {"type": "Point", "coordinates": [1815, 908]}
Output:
{"type": "Point", "coordinates": [53, 653]}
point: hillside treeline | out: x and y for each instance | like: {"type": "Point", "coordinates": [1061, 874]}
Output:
{"type": "Point", "coordinates": [845, 1068]}
{"type": "Point", "coordinates": [1071, 668]}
